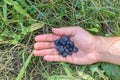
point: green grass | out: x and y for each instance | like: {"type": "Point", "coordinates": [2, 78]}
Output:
{"type": "Point", "coordinates": [21, 20]}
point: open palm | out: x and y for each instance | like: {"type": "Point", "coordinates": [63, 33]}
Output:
{"type": "Point", "coordinates": [85, 42]}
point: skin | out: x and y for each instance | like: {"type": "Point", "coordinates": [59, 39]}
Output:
{"type": "Point", "coordinates": [92, 48]}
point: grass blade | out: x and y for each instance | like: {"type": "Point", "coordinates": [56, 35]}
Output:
{"type": "Point", "coordinates": [5, 11]}
{"type": "Point", "coordinates": [22, 71]}
{"type": "Point", "coordinates": [17, 7]}
{"type": "Point", "coordinates": [59, 77]}
{"type": "Point", "coordinates": [36, 26]}
{"type": "Point", "coordinates": [67, 69]}
{"type": "Point", "coordinates": [112, 71]}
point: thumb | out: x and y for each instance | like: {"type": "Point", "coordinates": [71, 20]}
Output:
{"type": "Point", "coordinates": [68, 31]}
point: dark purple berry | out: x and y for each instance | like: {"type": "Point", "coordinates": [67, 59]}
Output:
{"type": "Point", "coordinates": [60, 49]}
{"type": "Point", "coordinates": [64, 54]}
{"type": "Point", "coordinates": [65, 38]}
{"type": "Point", "coordinates": [66, 51]}
{"type": "Point", "coordinates": [70, 53]}
{"type": "Point", "coordinates": [71, 43]}
{"type": "Point", "coordinates": [67, 46]}
{"type": "Point", "coordinates": [70, 49]}
{"type": "Point", "coordinates": [63, 43]}
{"type": "Point", "coordinates": [75, 49]}
{"type": "Point", "coordinates": [56, 42]}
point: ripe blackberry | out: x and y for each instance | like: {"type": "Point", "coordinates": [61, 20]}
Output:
{"type": "Point", "coordinates": [64, 54]}
{"type": "Point", "coordinates": [70, 43]}
{"type": "Point", "coordinates": [63, 43]}
{"type": "Point", "coordinates": [75, 49]}
{"type": "Point", "coordinates": [65, 38]}
{"type": "Point", "coordinates": [56, 42]}
{"type": "Point", "coordinates": [66, 51]}
{"type": "Point", "coordinates": [60, 49]}
{"type": "Point", "coordinates": [65, 46]}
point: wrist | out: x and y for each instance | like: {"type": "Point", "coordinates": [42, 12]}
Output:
{"type": "Point", "coordinates": [103, 44]}
{"type": "Point", "coordinates": [100, 48]}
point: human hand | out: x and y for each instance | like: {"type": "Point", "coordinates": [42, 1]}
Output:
{"type": "Point", "coordinates": [83, 40]}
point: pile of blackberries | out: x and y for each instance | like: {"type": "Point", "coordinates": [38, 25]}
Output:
{"type": "Point", "coordinates": [65, 46]}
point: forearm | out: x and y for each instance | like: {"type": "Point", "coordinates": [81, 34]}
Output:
{"type": "Point", "coordinates": [108, 49]}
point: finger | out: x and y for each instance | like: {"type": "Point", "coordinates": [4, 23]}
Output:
{"type": "Point", "coordinates": [46, 37]}
{"type": "Point", "coordinates": [68, 31]}
{"type": "Point", "coordinates": [45, 52]}
{"type": "Point", "coordinates": [43, 45]}
{"type": "Point", "coordinates": [55, 58]}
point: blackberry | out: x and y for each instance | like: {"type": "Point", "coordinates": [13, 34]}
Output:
{"type": "Point", "coordinates": [75, 49]}
{"type": "Point", "coordinates": [70, 49]}
{"type": "Point", "coordinates": [70, 53]}
{"type": "Point", "coordinates": [63, 43]}
{"type": "Point", "coordinates": [56, 42]}
{"type": "Point", "coordinates": [66, 51]}
{"type": "Point", "coordinates": [65, 46]}
{"type": "Point", "coordinates": [71, 43]}
{"type": "Point", "coordinates": [65, 38]}
{"type": "Point", "coordinates": [64, 54]}
{"type": "Point", "coordinates": [60, 49]}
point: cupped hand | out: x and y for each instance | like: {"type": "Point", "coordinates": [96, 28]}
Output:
{"type": "Point", "coordinates": [82, 39]}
